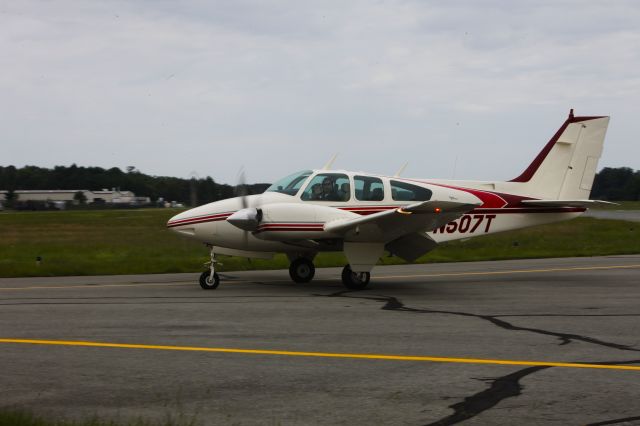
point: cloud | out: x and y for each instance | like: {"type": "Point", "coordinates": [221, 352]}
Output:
{"type": "Point", "coordinates": [209, 86]}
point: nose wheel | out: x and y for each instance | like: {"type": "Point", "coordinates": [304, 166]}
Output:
{"type": "Point", "coordinates": [355, 280]}
{"type": "Point", "coordinates": [209, 279]}
{"type": "Point", "coordinates": [302, 270]}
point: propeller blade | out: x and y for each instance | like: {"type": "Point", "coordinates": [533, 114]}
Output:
{"type": "Point", "coordinates": [241, 189]}
{"type": "Point", "coordinates": [247, 218]}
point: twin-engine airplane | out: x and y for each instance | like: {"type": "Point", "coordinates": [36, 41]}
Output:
{"type": "Point", "coordinates": [365, 215]}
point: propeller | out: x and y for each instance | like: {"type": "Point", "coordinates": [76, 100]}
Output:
{"type": "Point", "coordinates": [247, 218]}
{"type": "Point", "coordinates": [241, 188]}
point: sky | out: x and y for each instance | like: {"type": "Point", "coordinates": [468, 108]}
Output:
{"type": "Point", "coordinates": [458, 89]}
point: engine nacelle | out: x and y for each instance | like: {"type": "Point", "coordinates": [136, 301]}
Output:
{"type": "Point", "coordinates": [287, 221]}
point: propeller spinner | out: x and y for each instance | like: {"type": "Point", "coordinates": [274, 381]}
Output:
{"type": "Point", "coordinates": [246, 219]}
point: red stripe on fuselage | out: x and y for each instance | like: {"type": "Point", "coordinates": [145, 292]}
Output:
{"type": "Point", "coordinates": [292, 225]}
{"type": "Point", "coordinates": [199, 219]}
{"type": "Point", "coordinates": [489, 199]}
{"type": "Point", "coordinates": [367, 210]}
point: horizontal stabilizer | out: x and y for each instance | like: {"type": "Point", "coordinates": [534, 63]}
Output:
{"type": "Point", "coordinates": [568, 203]}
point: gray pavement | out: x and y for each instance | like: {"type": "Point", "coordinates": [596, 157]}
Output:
{"type": "Point", "coordinates": [554, 310]}
{"type": "Point", "coordinates": [629, 215]}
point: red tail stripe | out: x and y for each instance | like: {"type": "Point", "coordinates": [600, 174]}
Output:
{"type": "Point", "coordinates": [535, 164]}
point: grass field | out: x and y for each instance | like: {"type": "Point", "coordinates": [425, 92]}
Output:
{"type": "Point", "coordinates": [105, 242]}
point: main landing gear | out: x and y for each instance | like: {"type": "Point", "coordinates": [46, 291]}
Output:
{"type": "Point", "coordinates": [209, 279]}
{"type": "Point", "coordinates": [355, 280]}
{"type": "Point", "coordinates": [302, 270]}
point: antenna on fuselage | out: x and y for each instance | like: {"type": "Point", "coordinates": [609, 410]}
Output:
{"type": "Point", "coordinates": [399, 172]}
{"type": "Point", "coordinates": [330, 162]}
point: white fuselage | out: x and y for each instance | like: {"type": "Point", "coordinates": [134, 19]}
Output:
{"type": "Point", "coordinates": [289, 219]}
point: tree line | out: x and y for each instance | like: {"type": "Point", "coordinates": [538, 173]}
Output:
{"type": "Point", "coordinates": [615, 184]}
{"type": "Point", "coordinates": [168, 188]}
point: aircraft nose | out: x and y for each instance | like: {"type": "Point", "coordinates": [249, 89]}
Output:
{"type": "Point", "coordinates": [182, 223]}
{"type": "Point", "coordinates": [177, 219]}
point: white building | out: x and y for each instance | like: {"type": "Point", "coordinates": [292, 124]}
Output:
{"type": "Point", "coordinates": [52, 195]}
{"type": "Point", "coordinates": [114, 196]}
{"type": "Point", "coordinates": [69, 196]}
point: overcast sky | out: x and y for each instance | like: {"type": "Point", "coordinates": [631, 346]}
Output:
{"type": "Point", "coordinates": [465, 89]}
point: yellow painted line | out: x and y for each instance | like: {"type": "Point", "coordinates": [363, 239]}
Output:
{"type": "Point", "coordinates": [323, 354]}
{"type": "Point", "coordinates": [517, 271]}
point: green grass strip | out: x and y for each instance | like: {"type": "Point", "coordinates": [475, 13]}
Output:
{"type": "Point", "coordinates": [107, 242]}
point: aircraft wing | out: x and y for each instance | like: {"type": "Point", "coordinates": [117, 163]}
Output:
{"type": "Point", "coordinates": [567, 203]}
{"type": "Point", "coordinates": [390, 225]}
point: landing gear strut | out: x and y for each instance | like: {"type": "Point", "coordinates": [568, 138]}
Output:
{"type": "Point", "coordinates": [209, 279]}
{"type": "Point", "coordinates": [302, 270]}
{"type": "Point", "coordinates": [355, 280]}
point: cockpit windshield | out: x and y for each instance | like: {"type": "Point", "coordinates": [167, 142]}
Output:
{"type": "Point", "coordinates": [291, 184]}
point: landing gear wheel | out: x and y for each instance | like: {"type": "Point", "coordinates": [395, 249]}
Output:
{"type": "Point", "coordinates": [207, 283]}
{"type": "Point", "coordinates": [302, 270]}
{"type": "Point", "coordinates": [353, 280]}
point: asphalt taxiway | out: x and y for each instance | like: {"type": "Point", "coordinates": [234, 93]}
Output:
{"type": "Point", "coordinates": [628, 215]}
{"type": "Point", "coordinates": [553, 341]}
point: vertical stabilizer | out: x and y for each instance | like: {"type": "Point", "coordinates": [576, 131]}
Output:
{"type": "Point", "coordinates": [566, 166]}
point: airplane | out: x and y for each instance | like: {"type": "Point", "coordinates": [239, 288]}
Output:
{"type": "Point", "coordinates": [364, 215]}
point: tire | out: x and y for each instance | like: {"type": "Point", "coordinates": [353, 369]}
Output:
{"type": "Point", "coordinates": [206, 283]}
{"type": "Point", "coordinates": [354, 281]}
{"type": "Point", "coordinates": [302, 270]}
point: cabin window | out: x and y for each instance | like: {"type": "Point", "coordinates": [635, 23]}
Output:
{"type": "Point", "coordinates": [402, 191]}
{"type": "Point", "coordinates": [368, 188]}
{"type": "Point", "coordinates": [328, 187]}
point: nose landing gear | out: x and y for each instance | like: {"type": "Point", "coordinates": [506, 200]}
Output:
{"type": "Point", "coordinates": [209, 279]}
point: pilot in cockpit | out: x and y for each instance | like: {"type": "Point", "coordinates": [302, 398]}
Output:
{"type": "Point", "coordinates": [329, 190]}
{"type": "Point", "coordinates": [316, 192]}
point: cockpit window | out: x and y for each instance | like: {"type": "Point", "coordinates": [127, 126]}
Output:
{"type": "Point", "coordinates": [328, 187]}
{"type": "Point", "coordinates": [291, 184]}
{"type": "Point", "coordinates": [402, 191]}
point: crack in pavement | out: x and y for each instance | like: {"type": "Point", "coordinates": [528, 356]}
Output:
{"type": "Point", "coordinates": [503, 387]}
{"type": "Point", "coordinates": [615, 421]}
{"type": "Point", "coordinates": [500, 389]}
{"type": "Point", "coordinates": [394, 304]}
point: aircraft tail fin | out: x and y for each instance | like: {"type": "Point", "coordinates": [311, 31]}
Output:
{"type": "Point", "coordinates": [566, 166]}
